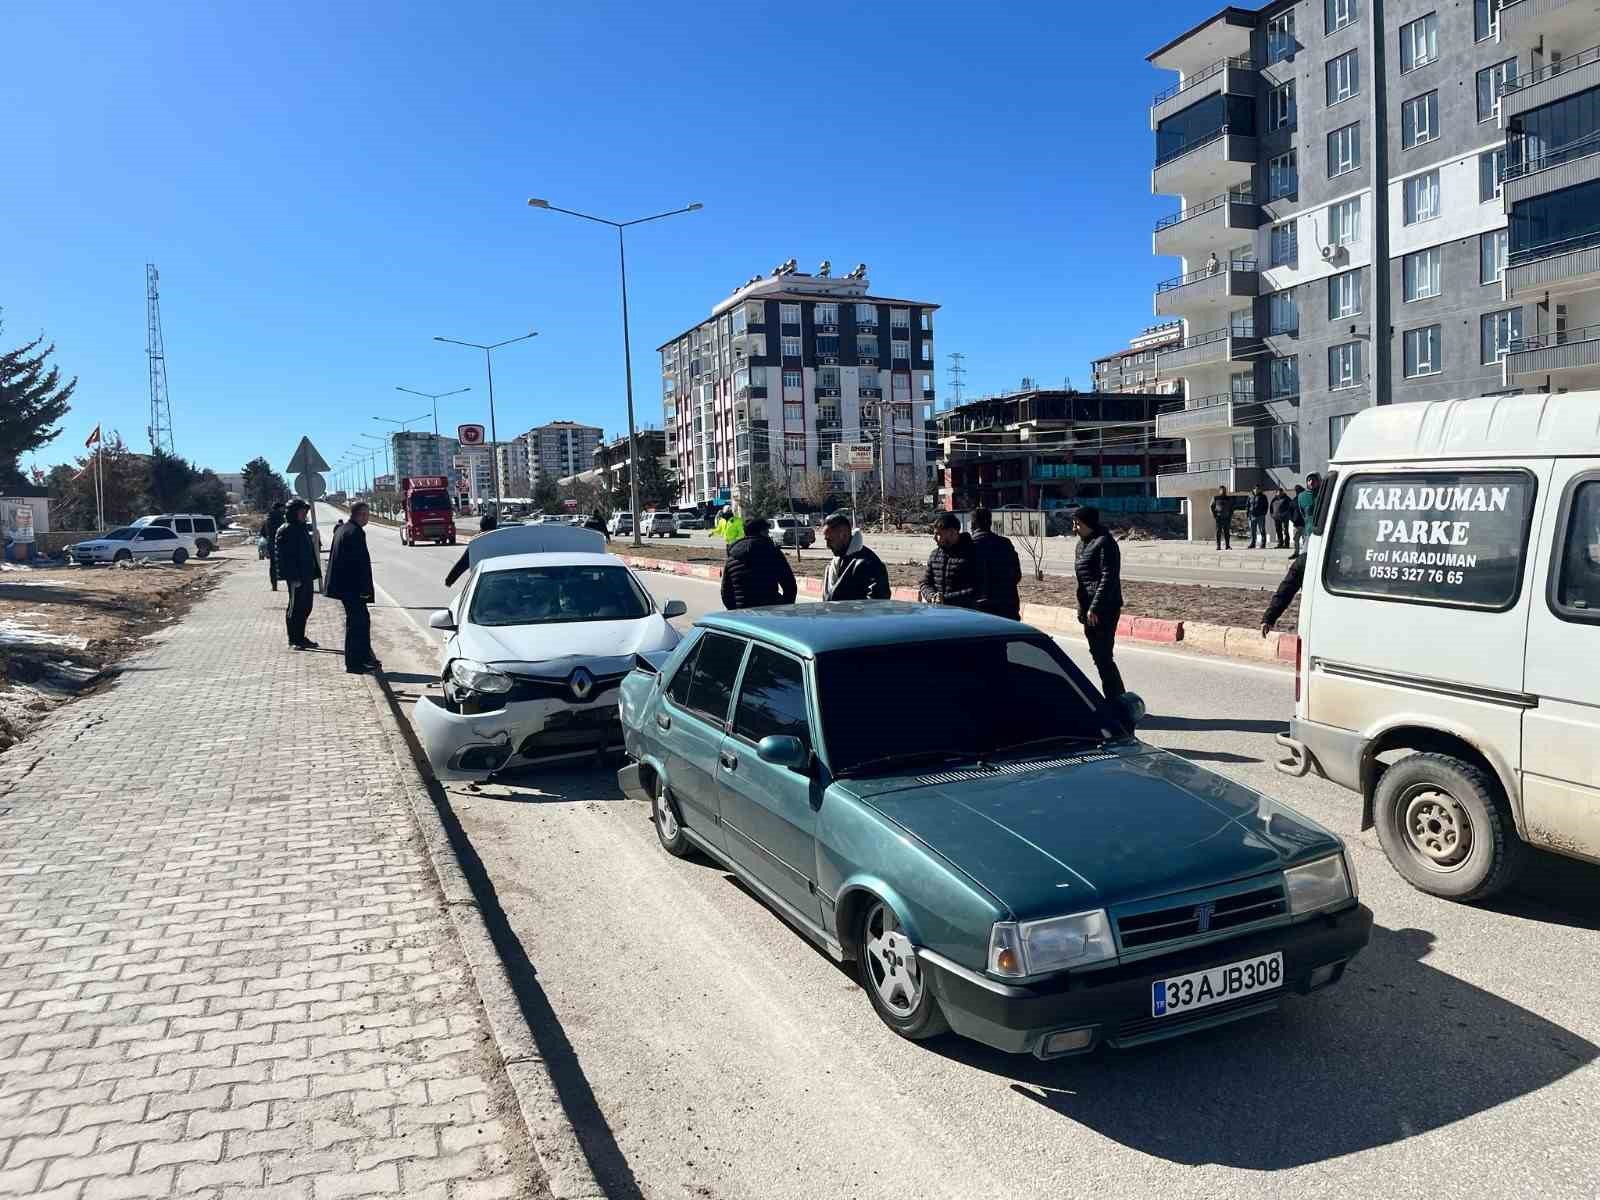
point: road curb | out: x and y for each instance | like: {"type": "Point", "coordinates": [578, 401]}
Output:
{"type": "Point", "coordinates": [545, 1119]}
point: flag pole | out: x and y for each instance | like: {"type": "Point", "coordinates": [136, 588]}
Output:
{"type": "Point", "coordinates": [99, 486]}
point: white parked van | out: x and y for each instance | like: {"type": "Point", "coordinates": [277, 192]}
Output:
{"type": "Point", "coordinates": [1450, 634]}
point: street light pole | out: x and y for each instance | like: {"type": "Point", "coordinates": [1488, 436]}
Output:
{"type": "Point", "coordinates": [494, 435]}
{"type": "Point", "coordinates": [627, 350]}
{"type": "Point", "coordinates": [434, 398]}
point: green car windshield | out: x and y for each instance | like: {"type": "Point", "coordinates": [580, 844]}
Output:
{"type": "Point", "coordinates": [966, 698]}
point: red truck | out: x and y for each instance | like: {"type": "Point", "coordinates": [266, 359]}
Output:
{"type": "Point", "coordinates": [429, 514]}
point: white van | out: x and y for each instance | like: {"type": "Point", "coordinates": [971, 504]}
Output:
{"type": "Point", "coordinates": [1450, 634]}
{"type": "Point", "coordinates": [200, 526]}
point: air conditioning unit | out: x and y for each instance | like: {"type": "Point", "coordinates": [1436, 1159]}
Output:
{"type": "Point", "coordinates": [1332, 253]}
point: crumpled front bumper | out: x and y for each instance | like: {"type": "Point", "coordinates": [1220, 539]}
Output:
{"type": "Point", "coordinates": [473, 746]}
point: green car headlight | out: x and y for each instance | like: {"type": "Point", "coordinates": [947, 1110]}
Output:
{"type": "Point", "coordinates": [1317, 884]}
{"type": "Point", "coordinates": [478, 677]}
{"type": "Point", "coordinates": [1035, 947]}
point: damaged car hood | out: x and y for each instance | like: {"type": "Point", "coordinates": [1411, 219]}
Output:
{"type": "Point", "coordinates": [532, 649]}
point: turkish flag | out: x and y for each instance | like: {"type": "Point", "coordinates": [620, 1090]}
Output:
{"type": "Point", "coordinates": [94, 437]}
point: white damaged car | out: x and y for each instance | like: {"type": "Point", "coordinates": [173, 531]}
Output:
{"type": "Point", "coordinates": [537, 643]}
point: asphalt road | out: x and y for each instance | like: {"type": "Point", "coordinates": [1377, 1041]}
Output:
{"type": "Point", "coordinates": [726, 1057]}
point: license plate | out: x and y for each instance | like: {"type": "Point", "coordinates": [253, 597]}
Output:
{"type": "Point", "coordinates": [1184, 993]}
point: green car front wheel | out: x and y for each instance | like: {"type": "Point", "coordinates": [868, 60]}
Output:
{"type": "Point", "coordinates": [893, 978]}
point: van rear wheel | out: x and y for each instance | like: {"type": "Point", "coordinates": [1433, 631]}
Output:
{"type": "Point", "coordinates": [1446, 828]}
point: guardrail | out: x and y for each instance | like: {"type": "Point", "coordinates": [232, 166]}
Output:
{"type": "Point", "coordinates": [1189, 147]}
{"type": "Point", "coordinates": [1550, 70]}
{"type": "Point", "coordinates": [1200, 76]}
{"type": "Point", "coordinates": [1208, 402]}
{"type": "Point", "coordinates": [1581, 148]}
{"type": "Point", "coordinates": [1205, 272]}
{"type": "Point", "coordinates": [1209, 464]}
{"type": "Point", "coordinates": [1564, 337]}
{"type": "Point", "coordinates": [1200, 210]}
{"type": "Point", "coordinates": [1529, 254]}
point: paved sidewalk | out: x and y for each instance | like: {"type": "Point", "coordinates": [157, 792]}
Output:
{"type": "Point", "coordinates": [225, 964]}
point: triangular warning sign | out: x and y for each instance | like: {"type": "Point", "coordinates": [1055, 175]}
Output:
{"type": "Point", "coordinates": [306, 458]}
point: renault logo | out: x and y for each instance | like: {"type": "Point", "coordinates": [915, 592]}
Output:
{"type": "Point", "coordinates": [581, 683]}
{"type": "Point", "coordinates": [1203, 914]}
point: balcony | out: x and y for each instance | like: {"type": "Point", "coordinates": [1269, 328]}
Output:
{"type": "Point", "coordinates": [1523, 23]}
{"type": "Point", "coordinates": [1552, 353]}
{"type": "Point", "coordinates": [870, 393]}
{"type": "Point", "coordinates": [1208, 414]}
{"type": "Point", "coordinates": [1211, 223]}
{"type": "Point", "coordinates": [1186, 479]}
{"type": "Point", "coordinates": [1549, 170]}
{"type": "Point", "coordinates": [1213, 285]}
{"type": "Point", "coordinates": [1554, 81]}
{"type": "Point", "coordinates": [1561, 267]}
{"type": "Point", "coordinates": [1205, 349]}
{"type": "Point", "coordinates": [1212, 164]}
{"type": "Point", "coordinates": [1233, 76]}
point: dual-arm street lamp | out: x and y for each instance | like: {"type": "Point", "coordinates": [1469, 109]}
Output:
{"type": "Point", "coordinates": [627, 352]}
{"type": "Point", "coordinates": [433, 398]}
{"type": "Point", "coordinates": [385, 443]}
{"type": "Point", "coordinates": [494, 435]}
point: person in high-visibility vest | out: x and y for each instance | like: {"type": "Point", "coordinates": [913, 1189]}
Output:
{"type": "Point", "coordinates": [729, 526]}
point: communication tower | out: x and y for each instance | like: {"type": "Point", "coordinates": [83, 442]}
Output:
{"type": "Point", "coordinates": [160, 405]}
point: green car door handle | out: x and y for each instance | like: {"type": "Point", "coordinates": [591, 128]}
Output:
{"type": "Point", "coordinates": [729, 760]}
{"type": "Point", "coordinates": [663, 721]}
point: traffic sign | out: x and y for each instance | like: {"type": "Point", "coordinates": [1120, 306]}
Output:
{"type": "Point", "coordinates": [469, 435]}
{"type": "Point", "coordinates": [309, 485]}
{"type": "Point", "coordinates": [306, 459]}
{"type": "Point", "coordinates": [853, 456]}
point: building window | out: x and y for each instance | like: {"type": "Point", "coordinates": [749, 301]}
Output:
{"type": "Point", "coordinates": [927, 350]}
{"type": "Point", "coordinates": [794, 413]}
{"type": "Point", "coordinates": [1338, 13]}
{"type": "Point", "coordinates": [791, 379]}
{"type": "Point", "coordinates": [900, 318]}
{"type": "Point", "coordinates": [1485, 19]}
{"type": "Point", "coordinates": [794, 445]}
{"type": "Point", "coordinates": [791, 347]}
{"type": "Point", "coordinates": [828, 344]}
{"type": "Point", "coordinates": [1283, 176]}
{"type": "Point", "coordinates": [1420, 274]}
{"type": "Point", "coordinates": [1422, 351]}
{"type": "Point", "coordinates": [1344, 294]}
{"type": "Point", "coordinates": [1344, 222]}
{"type": "Point", "coordinates": [1497, 331]}
{"type": "Point", "coordinates": [756, 312]}
{"type": "Point", "coordinates": [1285, 446]}
{"type": "Point", "coordinates": [1419, 120]}
{"type": "Point", "coordinates": [867, 347]}
{"type": "Point", "coordinates": [1280, 37]}
{"type": "Point", "coordinates": [1344, 366]}
{"type": "Point", "coordinates": [866, 314]}
{"type": "Point", "coordinates": [902, 387]}
{"type": "Point", "coordinates": [1283, 316]}
{"type": "Point", "coordinates": [1491, 83]}
{"type": "Point", "coordinates": [1419, 42]}
{"type": "Point", "coordinates": [1343, 77]}
{"type": "Point", "coordinates": [1422, 197]}
{"type": "Point", "coordinates": [902, 350]}
{"type": "Point", "coordinates": [789, 314]}
{"type": "Point", "coordinates": [1283, 245]}
{"type": "Point", "coordinates": [1344, 150]}
{"type": "Point", "coordinates": [927, 383]}
{"type": "Point", "coordinates": [1336, 427]}
{"type": "Point", "coordinates": [1280, 107]}
{"type": "Point", "coordinates": [869, 378]}
{"type": "Point", "coordinates": [927, 321]}
{"type": "Point", "coordinates": [1283, 377]}
{"type": "Point", "coordinates": [827, 377]}
{"type": "Point", "coordinates": [1491, 173]}
{"type": "Point", "coordinates": [827, 413]}
{"type": "Point", "coordinates": [1492, 248]}
{"type": "Point", "coordinates": [825, 314]}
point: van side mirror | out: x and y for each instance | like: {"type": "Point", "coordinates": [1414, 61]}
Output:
{"type": "Point", "coordinates": [674, 608]}
{"type": "Point", "coordinates": [442, 619]}
{"type": "Point", "coordinates": [782, 750]}
{"type": "Point", "coordinates": [1132, 708]}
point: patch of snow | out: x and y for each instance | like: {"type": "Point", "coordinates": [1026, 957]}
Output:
{"type": "Point", "coordinates": [14, 633]}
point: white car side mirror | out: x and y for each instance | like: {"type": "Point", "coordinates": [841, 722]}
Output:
{"type": "Point", "coordinates": [442, 619]}
{"type": "Point", "coordinates": [674, 608]}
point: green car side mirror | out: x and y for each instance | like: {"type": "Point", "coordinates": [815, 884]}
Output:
{"type": "Point", "coordinates": [782, 750]}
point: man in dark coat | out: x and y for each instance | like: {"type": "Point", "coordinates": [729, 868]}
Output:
{"type": "Point", "coordinates": [855, 573]}
{"type": "Point", "coordinates": [1098, 566]}
{"type": "Point", "coordinates": [274, 522]}
{"type": "Point", "coordinates": [955, 574]}
{"type": "Point", "coordinates": [595, 523]}
{"type": "Point", "coordinates": [295, 554]}
{"type": "Point", "coordinates": [1256, 511]}
{"type": "Point", "coordinates": [1002, 570]}
{"type": "Point", "coordinates": [350, 582]}
{"type": "Point", "coordinates": [1282, 509]}
{"type": "Point", "coordinates": [1288, 589]}
{"type": "Point", "coordinates": [485, 524]}
{"type": "Point", "coordinates": [1222, 514]}
{"type": "Point", "coordinates": [756, 573]}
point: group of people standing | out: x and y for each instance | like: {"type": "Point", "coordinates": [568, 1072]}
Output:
{"type": "Point", "coordinates": [1288, 513]}
{"type": "Point", "coordinates": [293, 559]}
{"type": "Point", "coordinates": [977, 569]}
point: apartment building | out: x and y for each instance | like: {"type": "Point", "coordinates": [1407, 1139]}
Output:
{"type": "Point", "coordinates": [611, 459]}
{"type": "Point", "coordinates": [1055, 449]}
{"type": "Point", "coordinates": [1340, 230]}
{"type": "Point", "coordinates": [514, 461]}
{"type": "Point", "coordinates": [558, 449]}
{"type": "Point", "coordinates": [474, 467]}
{"type": "Point", "coordinates": [785, 367]}
{"type": "Point", "coordinates": [417, 453]}
{"type": "Point", "coordinates": [1133, 368]}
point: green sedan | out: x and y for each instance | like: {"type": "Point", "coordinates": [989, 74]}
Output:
{"type": "Point", "coordinates": [942, 797]}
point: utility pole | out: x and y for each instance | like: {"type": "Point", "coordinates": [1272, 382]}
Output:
{"type": "Point", "coordinates": [957, 374]}
{"type": "Point", "coordinates": [1378, 118]}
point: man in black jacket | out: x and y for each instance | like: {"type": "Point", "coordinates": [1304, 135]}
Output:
{"type": "Point", "coordinates": [1256, 511]}
{"type": "Point", "coordinates": [756, 573]}
{"type": "Point", "coordinates": [485, 524]}
{"type": "Point", "coordinates": [1282, 509]}
{"type": "Point", "coordinates": [350, 582]}
{"type": "Point", "coordinates": [1288, 589]}
{"type": "Point", "coordinates": [855, 573]}
{"type": "Point", "coordinates": [275, 520]}
{"type": "Point", "coordinates": [955, 574]}
{"type": "Point", "coordinates": [1222, 514]}
{"type": "Point", "coordinates": [1002, 570]}
{"type": "Point", "coordinates": [295, 554]}
{"type": "Point", "coordinates": [1098, 566]}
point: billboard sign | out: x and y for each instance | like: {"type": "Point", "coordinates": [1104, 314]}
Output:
{"type": "Point", "coordinates": [853, 456]}
{"type": "Point", "coordinates": [469, 435]}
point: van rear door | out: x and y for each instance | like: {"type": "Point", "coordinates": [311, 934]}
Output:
{"type": "Point", "coordinates": [1560, 763]}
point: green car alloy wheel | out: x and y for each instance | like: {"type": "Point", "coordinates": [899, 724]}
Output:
{"type": "Point", "coordinates": [893, 977]}
{"type": "Point", "coordinates": [669, 827]}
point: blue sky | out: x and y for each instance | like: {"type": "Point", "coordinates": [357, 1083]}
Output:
{"type": "Point", "coordinates": [324, 187]}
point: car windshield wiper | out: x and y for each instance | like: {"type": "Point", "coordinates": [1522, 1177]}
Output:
{"type": "Point", "coordinates": [906, 759]}
{"type": "Point", "coordinates": [1048, 739]}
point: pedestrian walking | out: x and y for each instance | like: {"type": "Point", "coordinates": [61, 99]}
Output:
{"type": "Point", "coordinates": [1288, 589]}
{"type": "Point", "coordinates": [757, 573]}
{"type": "Point", "coordinates": [1098, 567]}
{"type": "Point", "coordinates": [276, 516]}
{"type": "Point", "coordinates": [1256, 512]}
{"type": "Point", "coordinates": [954, 575]}
{"type": "Point", "coordinates": [856, 573]}
{"type": "Point", "coordinates": [1297, 517]}
{"type": "Point", "coordinates": [349, 581]}
{"type": "Point", "coordinates": [1282, 510]}
{"type": "Point", "coordinates": [300, 568]}
{"type": "Point", "coordinates": [1307, 500]}
{"type": "Point", "coordinates": [486, 523]}
{"type": "Point", "coordinates": [1222, 514]}
{"type": "Point", "coordinates": [1001, 569]}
